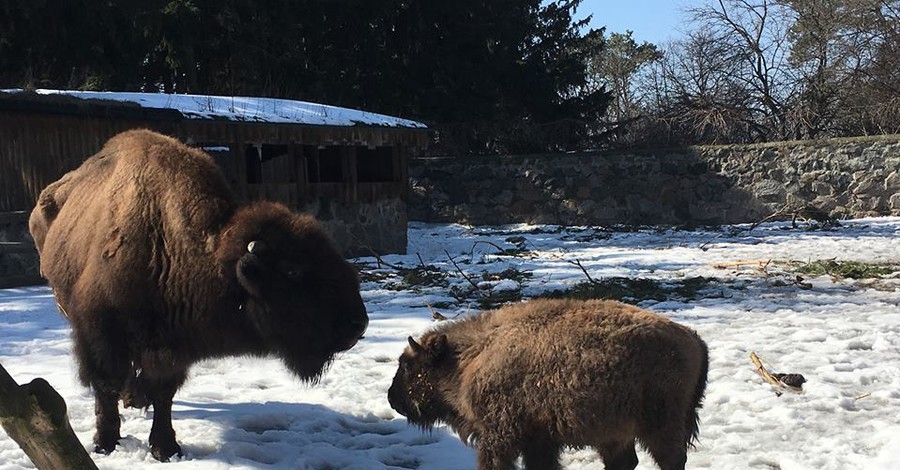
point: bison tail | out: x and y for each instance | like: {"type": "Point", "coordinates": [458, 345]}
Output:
{"type": "Point", "coordinates": [693, 419]}
{"type": "Point", "coordinates": [44, 213]}
{"type": "Point", "coordinates": [40, 219]}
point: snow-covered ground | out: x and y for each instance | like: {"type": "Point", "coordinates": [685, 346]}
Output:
{"type": "Point", "coordinates": [843, 335]}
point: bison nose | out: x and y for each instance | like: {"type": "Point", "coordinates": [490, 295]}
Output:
{"type": "Point", "coordinates": [392, 400]}
{"type": "Point", "coordinates": [359, 320]}
{"type": "Point", "coordinates": [354, 332]}
{"type": "Point", "coordinates": [395, 400]}
{"type": "Point", "coordinates": [360, 326]}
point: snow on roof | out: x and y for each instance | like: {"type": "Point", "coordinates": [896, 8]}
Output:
{"type": "Point", "coordinates": [241, 108]}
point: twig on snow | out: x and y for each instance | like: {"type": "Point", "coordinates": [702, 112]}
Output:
{"type": "Point", "coordinates": [381, 260]}
{"type": "Point", "coordinates": [438, 315]}
{"type": "Point", "coordinates": [769, 217]}
{"type": "Point", "coordinates": [461, 273]}
{"type": "Point", "coordinates": [586, 273]}
{"type": "Point", "coordinates": [498, 247]}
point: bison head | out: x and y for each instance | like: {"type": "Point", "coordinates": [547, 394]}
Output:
{"type": "Point", "coordinates": [415, 391]}
{"type": "Point", "coordinates": [300, 293]}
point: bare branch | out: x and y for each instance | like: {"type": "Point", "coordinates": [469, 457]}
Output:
{"type": "Point", "coordinates": [463, 274]}
{"type": "Point", "coordinates": [581, 266]}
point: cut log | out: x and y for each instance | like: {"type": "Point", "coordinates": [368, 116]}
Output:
{"type": "Point", "coordinates": [34, 415]}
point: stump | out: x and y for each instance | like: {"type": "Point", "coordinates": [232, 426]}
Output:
{"type": "Point", "coordinates": [34, 415]}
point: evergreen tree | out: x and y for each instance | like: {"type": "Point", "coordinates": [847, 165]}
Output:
{"type": "Point", "coordinates": [488, 75]}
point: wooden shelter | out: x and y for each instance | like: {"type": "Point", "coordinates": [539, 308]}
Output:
{"type": "Point", "coordinates": [346, 167]}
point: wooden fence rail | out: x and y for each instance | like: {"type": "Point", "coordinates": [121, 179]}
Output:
{"type": "Point", "coordinates": [8, 248]}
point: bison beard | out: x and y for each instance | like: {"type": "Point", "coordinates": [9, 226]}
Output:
{"type": "Point", "coordinates": [157, 267]}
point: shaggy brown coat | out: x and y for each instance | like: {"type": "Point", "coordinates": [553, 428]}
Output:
{"type": "Point", "coordinates": [530, 378]}
{"type": "Point", "coordinates": [156, 267]}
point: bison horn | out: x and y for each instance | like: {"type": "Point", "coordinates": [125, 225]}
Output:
{"type": "Point", "coordinates": [416, 347]}
{"type": "Point", "coordinates": [256, 247]}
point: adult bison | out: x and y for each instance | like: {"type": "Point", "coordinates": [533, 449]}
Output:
{"type": "Point", "coordinates": [530, 378]}
{"type": "Point", "coordinates": [157, 267]}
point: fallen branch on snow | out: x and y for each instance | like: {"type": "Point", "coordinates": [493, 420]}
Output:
{"type": "Point", "coordinates": [435, 314]}
{"type": "Point", "coordinates": [789, 382]}
{"type": "Point", "coordinates": [759, 263]}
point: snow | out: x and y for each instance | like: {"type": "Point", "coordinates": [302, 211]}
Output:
{"type": "Point", "coordinates": [242, 108]}
{"type": "Point", "coordinates": [843, 335]}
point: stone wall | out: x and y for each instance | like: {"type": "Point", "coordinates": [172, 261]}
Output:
{"type": "Point", "coordinates": [709, 185]}
{"type": "Point", "coordinates": [19, 264]}
{"type": "Point", "coordinates": [361, 228]}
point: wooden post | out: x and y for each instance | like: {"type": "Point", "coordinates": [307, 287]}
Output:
{"type": "Point", "coordinates": [34, 415]}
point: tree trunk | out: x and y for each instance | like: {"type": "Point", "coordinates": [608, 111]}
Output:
{"type": "Point", "coordinates": [34, 415]}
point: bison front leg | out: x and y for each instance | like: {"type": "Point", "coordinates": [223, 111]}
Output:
{"type": "Point", "coordinates": [494, 455]}
{"type": "Point", "coordinates": [106, 410]}
{"type": "Point", "coordinates": [162, 435]}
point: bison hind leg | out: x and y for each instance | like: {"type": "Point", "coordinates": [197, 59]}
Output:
{"type": "Point", "coordinates": [618, 455]}
{"type": "Point", "coordinates": [668, 456]}
{"type": "Point", "coordinates": [668, 449]}
{"type": "Point", "coordinates": [101, 367]}
{"type": "Point", "coordinates": [539, 453]}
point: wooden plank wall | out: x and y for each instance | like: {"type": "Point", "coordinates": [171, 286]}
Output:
{"type": "Point", "coordinates": [38, 148]}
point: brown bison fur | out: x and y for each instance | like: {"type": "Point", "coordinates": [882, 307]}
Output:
{"type": "Point", "coordinates": [531, 378]}
{"type": "Point", "coordinates": [156, 267]}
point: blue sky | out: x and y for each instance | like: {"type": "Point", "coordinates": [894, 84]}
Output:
{"type": "Point", "coordinates": [655, 21]}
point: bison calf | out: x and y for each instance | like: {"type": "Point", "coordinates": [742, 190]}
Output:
{"type": "Point", "coordinates": [157, 267]}
{"type": "Point", "coordinates": [530, 378]}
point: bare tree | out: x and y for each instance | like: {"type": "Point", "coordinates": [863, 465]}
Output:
{"type": "Point", "coordinates": [617, 67]}
{"type": "Point", "coordinates": [699, 94]}
{"type": "Point", "coordinates": [759, 31]}
{"type": "Point", "coordinates": [883, 73]}
{"type": "Point", "coordinates": [762, 70]}
{"type": "Point", "coordinates": [834, 45]}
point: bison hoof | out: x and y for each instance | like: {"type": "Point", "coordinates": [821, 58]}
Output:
{"type": "Point", "coordinates": [105, 448]}
{"type": "Point", "coordinates": [106, 442]}
{"type": "Point", "coordinates": [164, 452]}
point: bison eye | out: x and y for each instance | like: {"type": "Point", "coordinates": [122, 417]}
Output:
{"type": "Point", "coordinates": [291, 270]}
